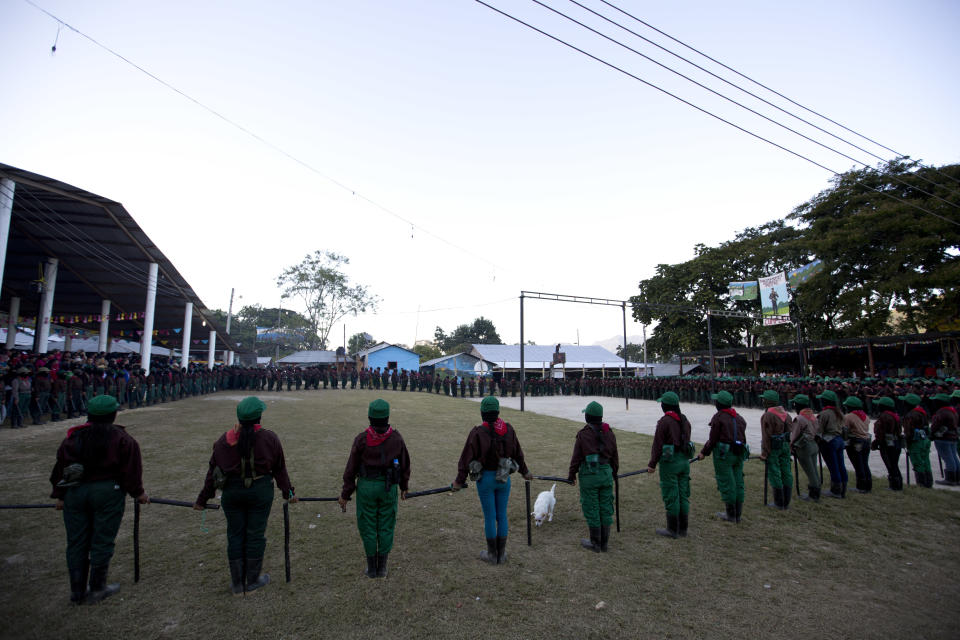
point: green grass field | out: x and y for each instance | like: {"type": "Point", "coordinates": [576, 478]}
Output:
{"type": "Point", "coordinates": [882, 565]}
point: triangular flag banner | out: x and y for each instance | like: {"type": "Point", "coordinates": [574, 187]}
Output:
{"type": "Point", "coordinates": [177, 331]}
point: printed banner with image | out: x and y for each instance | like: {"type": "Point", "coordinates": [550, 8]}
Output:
{"type": "Point", "coordinates": [798, 276]}
{"type": "Point", "coordinates": [774, 303]}
{"type": "Point", "coordinates": [743, 290]}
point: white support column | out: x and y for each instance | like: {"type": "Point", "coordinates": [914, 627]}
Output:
{"type": "Point", "coordinates": [12, 323]}
{"type": "Point", "coordinates": [230, 359]}
{"type": "Point", "coordinates": [187, 326]}
{"type": "Point", "coordinates": [146, 340]}
{"type": "Point", "coordinates": [7, 187]}
{"type": "Point", "coordinates": [46, 303]}
{"type": "Point", "coordinates": [211, 351]}
{"type": "Point", "coordinates": [102, 344]}
{"type": "Point", "coordinates": [68, 342]}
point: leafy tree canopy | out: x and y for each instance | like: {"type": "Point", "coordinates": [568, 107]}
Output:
{"type": "Point", "coordinates": [318, 282]}
{"type": "Point", "coordinates": [359, 342]}
{"type": "Point", "coordinates": [427, 351]}
{"type": "Point", "coordinates": [890, 267]}
{"type": "Point", "coordinates": [482, 331]}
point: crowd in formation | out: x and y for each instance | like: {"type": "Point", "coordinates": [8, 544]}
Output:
{"type": "Point", "coordinates": [98, 463]}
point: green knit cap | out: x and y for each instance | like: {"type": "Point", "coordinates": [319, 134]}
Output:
{"type": "Point", "coordinates": [801, 400]}
{"type": "Point", "coordinates": [911, 399]}
{"type": "Point", "coordinates": [724, 398]}
{"type": "Point", "coordinates": [102, 405]}
{"type": "Point", "coordinates": [886, 401]}
{"type": "Point", "coordinates": [669, 398]}
{"type": "Point", "coordinates": [771, 396]}
{"type": "Point", "coordinates": [829, 396]}
{"type": "Point", "coordinates": [489, 405]}
{"type": "Point", "coordinates": [593, 409]}
{"type": "Point", "coordinates": [250, 408]}
{"type": "Point", "coordinates": [378, 409]}
{"type": "Point", "coordinates": [853, 402]}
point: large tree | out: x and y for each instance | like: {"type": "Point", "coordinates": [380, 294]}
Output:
{"type": "Point", "coordinates": [320, 284]}
{"type": "Point", "coordinates": [360, 341]}
{"type": "Point", "coordinates": [882, 255]}
{"type": "Point", "coordinates": [482, 331]}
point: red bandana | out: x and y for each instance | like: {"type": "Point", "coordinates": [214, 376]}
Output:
{"type": "Point", "coordinates": [73, 430]}
{"type": "Point", "coordinates": [893, 415]}
{"type": "Point", "coordinates": [860, 414]}
{"type": "Point", "coordinates": [375, 439]}
{"type": "Point", "coordinates": [950, 409]}
{"type": "Point", "coordinates": [500, 427]}
{"type": "Point", "coordinates": [921, 410]}
{"type": "Point", "coordinates": [672, 414]}
{"type": "Point", "coordinates": [779, 412]}
{"type": "Point", "coordinates": [233, 436]}
{"type": "Point", "coordinates": [730, 410]}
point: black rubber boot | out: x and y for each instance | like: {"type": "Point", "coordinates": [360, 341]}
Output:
{"type": "Point", "coordinates": [785, 497]}
{"type": "Point", "coordinates": [928, 479]}
{"type": "Point", "coordinates": [682, 522]}
{"type": "Point", "coordinates": [371, 570]}
{"type": "Point", "coordinates": [78, 584]}
{"type": "Point", "coordinates": [594, 542]}
{"type": "Point", "coordinates": [777, 498]}
{"type": "Point", "coordinates": [918, 477]}
{"type": "Point", "coordinates": [254, 579]}
{"type": "Point", "coordinates": [236, 577]}
{"type": "Point", "coordinates": [868, 482]}
{"type": "Point", "coordinates": [490, 555]}
{"type": "Point", "coordinates": [99, 589]}
{"type": "Point", "coordinates": [604, 538]}
{"type": "Point", "coordinates": [382, 565]}
{"type": "Point", "coordinates": [739, 511]}
{"type": "Point", "coordinates": [672, 526]}
{"type": "Point", "coordinates": [731, 513]}
{"type": "Point", "coordinates": [502, 550]}
{"type": "Point", "coordinates": [834, 491]}
{"type": "Point", "coordinates": [843, 490]}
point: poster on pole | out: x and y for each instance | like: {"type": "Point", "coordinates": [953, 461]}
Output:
{"type": "Point", "coordinates": [774, 303]}
{"type": "Point", "coordinates": [743, 290]}
{"type": "Point", "coordinates": [798, 276]}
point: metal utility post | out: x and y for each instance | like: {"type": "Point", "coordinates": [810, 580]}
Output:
{"type": "Point", "coordinates": [230, 311]}
{"type": "Point", "coordinates": [523, 377]}
{"type": "Point", "coordinates": [626, 396]}
{"type": "Point", "coordinates": [713, 374]}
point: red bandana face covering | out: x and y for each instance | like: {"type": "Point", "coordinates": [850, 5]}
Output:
{"type": "Point", "coordinates": [672, 414]}
{"type": "Point", "coordinates": [375, 439]}
{"type": "Point", "coordinates": [233, 436]}
{"type": "Point", "coordinates": [730, 410]}
{"type": "Point", "coordinates": [499, 427]}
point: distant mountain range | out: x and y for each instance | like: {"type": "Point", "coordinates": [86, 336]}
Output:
{"type": "Point", "coordinates": [612, 343]}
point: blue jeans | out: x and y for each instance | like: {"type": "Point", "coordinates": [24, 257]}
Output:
{"type": "Point", "coordinates": [948, 453]}
{"type": "Point", "coordinates": [493, 500]}
{"type": "Point", "coordinates": [833, 456]}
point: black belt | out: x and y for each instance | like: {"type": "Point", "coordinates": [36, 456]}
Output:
{"type": "Point", "coordinates": [371, 472]}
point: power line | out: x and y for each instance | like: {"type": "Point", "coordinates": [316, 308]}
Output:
{"type": "Point", "coordinates": [264, 141]}
{"type": "Point", "coordinates": [746, 91]}
{"type": "Point", "coordinates": [727, 98]}
{"type": "Point", "coordinates": [706, 112]}
{"type": "Point", "coordinates": [760, 84]}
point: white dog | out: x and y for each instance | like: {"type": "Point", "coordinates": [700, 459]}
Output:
{"type": "Point", "coordinates": [543, 507]}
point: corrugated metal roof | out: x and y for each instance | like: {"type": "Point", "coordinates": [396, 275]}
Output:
{"type": "Point", "coordinates": [313, 357]}
{"type": "Point", "coordinates": [383, 345]}
{"type": "Point", "coordinates": [578, 356]}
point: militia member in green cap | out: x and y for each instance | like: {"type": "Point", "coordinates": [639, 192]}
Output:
{"type": "Point", "coordinates": [595, 458]}
{"type": "Point", "coordinates": [98, 464]}
{"type": "Point", "coordinates": [728, 435]}
{"type": "Point", "coordinates": [830, 426]}
{"type": "Point", "coordinates": [803, 443]}
{"type": "Point", "coordinates": [888, 439]}
{"type": "Point", "coordinates": [775, 449]}
{"type": "Point", "coordinates": [916, 430]}
{"type": "Point", "coordinates": [943, 429]}
{"type": "Point", "coordinates": [245, 463]}
{"type": "Point", "coordinates": [856, 426]}
{"type": "Point", "coordinates": [672, 449]}
{"type": "Point", "coordinates": [378, 463]}
{"type": "Point", "coordinates": [492, 452]}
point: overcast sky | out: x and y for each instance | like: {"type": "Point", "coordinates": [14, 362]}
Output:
{"type": "Point", "coordinates": [522, 164]}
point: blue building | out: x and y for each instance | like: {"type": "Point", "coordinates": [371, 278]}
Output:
{"type": "Point", "coordinates": [458, 364]}
{"type": "Point", "coordinates": [388, 356]}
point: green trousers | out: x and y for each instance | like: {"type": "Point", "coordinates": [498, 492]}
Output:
{"type": "Point", "coordinates": [247, 511]}
{"type": "Point", "coordinates": [919, 451]}
{"type": "Point", "coordinates": [376, 515]}
{"type": "Point", "coordinates": [778, 468]}
{"type": "Point", "coordinates": [675, 485]}
{"type": "Point", "coordinates": [729, 474]}
{"type": "Point", "coordinates": [92, 512]}
{"type": "Point", "coordinates": [807, 457]}
{"type": "Point", "coordinates": [596, 495]}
